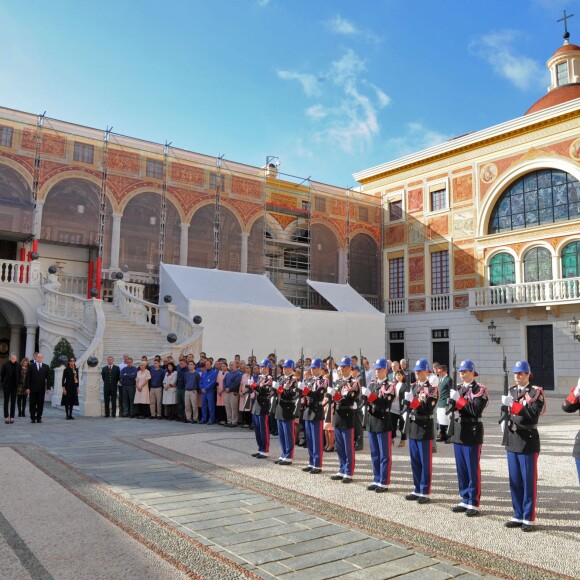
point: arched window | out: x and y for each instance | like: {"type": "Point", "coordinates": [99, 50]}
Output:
{"type": "Point", "coordinates": [537, 265]}
{"type": "Point", "coordinates": [502, 270]}
{"type": "Point", "coordinates": [537, 198]}
{"type": "Point", "coordinates": [571, 260]}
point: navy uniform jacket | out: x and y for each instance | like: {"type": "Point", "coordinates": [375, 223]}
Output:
{"type": "Point", "coordinates": [345, 408]}
{"type": "Point", "coordinates": [288, 398]}
{"type": "Point", "coordinates": [521, 433]}
{"type": "Point", "coordinates": [263, 393]}
{"type": "Point", "coordinates": [314, 407]}
{"type": "Point", "coordinates": [420, 419]}
{"type": "Point", "coordinates": [379, 415]}
{"type": "Point", "coordinates": [571, 405]}
{"type": "Point", "coordinates": [468, 428]}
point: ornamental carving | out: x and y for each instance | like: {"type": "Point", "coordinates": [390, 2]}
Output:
{"type": "Point", "coordinates": [416, 233]}
{"type": "Point", "coordinates": [395, 235]}
{"type": "Point", "coordinates": [50, 144]}
{"type": "Point", "coordinates": [283, 200]}
{"type": "Point", "coordinates": [464, 261]}
{"type": "Point", "coordinates": [463, 224]}
{"type": "Point", "coordinates": [188, 198]}
{"type": "Point", "coordinates": [246, 187]}
{"type": "Point", "coordinates": [417, 305]}
{"type": "Point", "coordinates": [416, 268]}
{"type": "Point", "coordinates": [187, 174]}
{"type": "Point", "coordinates": [246, 209]}
{"type": "Point", "coordinates": [488, 173]}
{"type": "Point", "coordinates": [460, 301]}
{"type": "Point", "coordinates": [123, 161]}
{"type": "Point", "coordinates": [575, 149]}
{"type": "Point", "coordinates": [417, 289]}
{"type": "Point", "coordinates": [438, 226]}
{"type": "Point", "coordinates": [463, 188]}
{"type": "Point", "coordinates": [415, 201]}
{"type": "Point", "coordinates": [283, 219]}
{"type": "Point", "coordinates": [338, 207]}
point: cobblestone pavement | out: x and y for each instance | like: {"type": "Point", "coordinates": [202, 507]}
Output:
{"type": "Point", "coordinates": [189, 500]}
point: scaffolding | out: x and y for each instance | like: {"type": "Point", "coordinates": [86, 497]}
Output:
{"type": "Point", "coordinates": [287, 211]}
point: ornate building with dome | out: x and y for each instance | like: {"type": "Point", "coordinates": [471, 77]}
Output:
{"type": "Point", "coordinates": [482, 241]}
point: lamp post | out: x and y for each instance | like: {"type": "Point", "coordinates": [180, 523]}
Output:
{"type": "Point", "coordinates": [573, 325]}
{"type": "Point", "coordinates": [491, 329]}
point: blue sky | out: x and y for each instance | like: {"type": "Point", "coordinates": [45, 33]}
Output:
{"type": "Point", "coordinates": [331, 87]}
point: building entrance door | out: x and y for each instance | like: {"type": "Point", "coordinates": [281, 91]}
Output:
{"type": "Point", "coordinates": [7, 250]}
{"type": "Point", "coordinates": [396, 350]}
{"type": "Point", "coordinates": [441, 353]}
{"type": "Point", "coordinates": [541, 354]}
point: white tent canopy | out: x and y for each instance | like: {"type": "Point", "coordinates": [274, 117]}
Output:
{"type": "Point", "coordinates": [245, 312]}
{"type": "Point", "coordinates": [343, 297]}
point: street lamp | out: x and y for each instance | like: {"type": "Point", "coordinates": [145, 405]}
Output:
{"type": "Point", "coordinates": [573, 324]}
{"type": "Point", "coordinates": [491, 329]}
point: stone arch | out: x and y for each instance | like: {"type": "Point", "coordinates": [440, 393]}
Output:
{"type": "Point", "coordinates": [201, 239]}
{"type": "Point", "coordinates": [256, 246]}
{"type": "Point", "coordinates": [496, 252]}
{"type": "Point", "coordinates": [324, 253]}
{"type": "Point", "coordinates": [514, 173]}
{"type": "Point", "coordinates": [364, 265]}
{"type": "Point", "coordinates": [16, 207]}
{"type": "Point", "coordinates": [17, 301]}
{"type": "Point", "coordinates": [70, 214]}
{"type": "Point", "coordinates": [152, 189]}
{"type": "Point", "coordinates": [49, 184]}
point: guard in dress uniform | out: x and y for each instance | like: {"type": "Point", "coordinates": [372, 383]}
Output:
{"type": "Point", "coordinates": [521, 410]}
{"type": "Point", "coordinates": [571, 405]}
{"type": "Point", "coordinates": [380, 395]}
{"type": "Point", "coordinates": [345, 399]}
{"type": "Point", "coordinates": [286, 411]}
{"type": "Point", "coordinates": [261, 409]}
{"type": "Point", "coordinates": [466, 404]}
{"type": "Point", "coordinates": [421, 402]}
{"type": "Point", "coordinates": [313, 393]}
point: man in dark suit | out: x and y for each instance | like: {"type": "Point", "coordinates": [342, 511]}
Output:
{"type": "Point", "coordinates": [37, 383]}
{"type": "Point", "coordinates": [110, 374]}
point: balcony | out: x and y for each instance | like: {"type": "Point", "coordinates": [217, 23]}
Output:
{"type": "Point", "coordinates": [433, 303]}
{"type": "Point", "coordinates": [17, 273]}
{"type": "Point", "coordinates": [544, 293]}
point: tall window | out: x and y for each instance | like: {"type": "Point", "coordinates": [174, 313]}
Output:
{"type": "Point", "coordinates": [440, 272]}
{"type": "Point", "coordinates": [502, 270]}
{"type": "Point", "coordinates": [6, 136]}
{"type": "Point", "coordinates": [84, 153]}
{"type": "Point", "coordinates": [439, 199]}
{"type": "Point", "coordinates": [562, 72]}
{"type": "Point", "coordinates": [213, 181]}
{"type": "Point", "coordinates": [540, 197]}
{"type": "Point", "coordinates": [571, 260]}
{"type": "Point", "coordinates": [154, 169]}
{"type": "Point", "coordinates": [320, 204]}
{"type": "Point", "coordinates": [397, 278]}
{"type": "Point", "coordinates": [395, 210]}
{"type": "Point", "coordinates": [537, 265]}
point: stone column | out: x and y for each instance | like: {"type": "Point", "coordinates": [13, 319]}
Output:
{"type": "Point", "coordinates": [30, 340]}
{"type": "Point", "coordinates": [115, 241]}
{"type": "Point", "coordinates": [183, 244]}
{"type": "Point", "coordinates": [342, 266]}
{"type": "Point", "coordinates": [244, 253]}
{"type": "Point", "coordinates": [15, 339]}
{"type": "Point", "coordinates": [37, 219]}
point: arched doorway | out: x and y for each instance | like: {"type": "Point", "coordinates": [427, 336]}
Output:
{"type": "Point", "coordinates": [12, 332]}
{"type": "Point", "coordinates": [364, 268]}
{"type": "Point", "coordinates": [256, 248]}
{"type": "Point", "coordinates": [323, 254]}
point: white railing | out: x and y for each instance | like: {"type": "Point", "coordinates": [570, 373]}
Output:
{"type": "Point", "coordinates": [73, 284]}
{"type": "Point", "coordinates": [136, 290]}
{"type": "Point", "coordinates": [17, 273]}
{"type": "Point", "coordinates": [397, 306]}
{"type": "Point", "coordinates": [440, 302]}
{"type": "Point", "coordinates": [74, 309]}
{"type": "Point", "coordinates": [129, 300]}
{"type": "Point", "coordinates": [526, 294]}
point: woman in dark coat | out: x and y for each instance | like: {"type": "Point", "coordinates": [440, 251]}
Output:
{"type": "Point", "coordinates": [10, 374]}
{"type": "Point", "coordinates": [70, 388]}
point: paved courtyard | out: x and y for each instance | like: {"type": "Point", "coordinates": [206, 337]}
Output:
{"type": "Point", "coordinates": [124, 498]}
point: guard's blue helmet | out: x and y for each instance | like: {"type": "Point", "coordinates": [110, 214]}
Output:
{"type": "Point", "coordinates": [289, 364]}
{"type": "Point", "coordinates": [345, 361]}
{"type": "Point", "coordinates": [381, 363]}
{"type": "Point", "coordinates": [316, 363]}
{"type": "Point", "coordinates": [266, 363]}
{"type": "Point", "coordinates": [422, 365]}
{"type": "Point", "coordinates": [466, 365]}
{"type": "Point", "coordinates": [522, 366]}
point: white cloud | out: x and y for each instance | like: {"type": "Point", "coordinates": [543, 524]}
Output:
{"type": "Point", "coordinates": [497, 49]}
{"type": "Point", "coordinates": [309, 82]}
{"type": "Point", "coordinates": [317, 111]}
{"type": "Point", "coordinates": [340, 25]}
{"type": "Point", "coordinates": [263, 3]}
{"type": "Point", "coordinates": [415, 138]}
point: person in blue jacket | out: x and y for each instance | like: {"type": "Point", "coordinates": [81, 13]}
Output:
{"type": "Point", "coordinates": [207, 387]}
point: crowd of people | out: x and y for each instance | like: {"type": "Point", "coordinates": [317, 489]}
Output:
{"type": "Point", "coordinates": [325, 406]}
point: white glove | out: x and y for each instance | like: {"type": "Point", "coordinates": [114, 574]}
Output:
{"type": "Point", "coordinates": [577, 391]}
{"type": "Point", "coordinates": [434, 380]}
{"type": "Point", "coordinates": [300, 386]}
{"type": "Point", "coordinates": [366, 391]}
{"type": "Point", "coordinates": [408, 397]}
{"type": "Point", "coordinates": [456, 415]}
{"type": "Point", "coordinates": [507, 400]}
{"type": "Point", "coordinates": [331, 391]}
{"type": "Point", "coordinates": [453, 394]}
{"type": "Point", "coordinates": [275, 385]}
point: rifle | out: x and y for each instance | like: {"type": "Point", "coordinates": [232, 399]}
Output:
{"type": "Point", "coordinates": [302, 364]}
{"type": "Point", "coordinates": [252, 360]}
{"type": "Point", "coordinates": [505, 375]}
{"type": "Point", "coordinates": [454, 368]}
{"type": "Point", "coordinates": [363, 378]}
{"type": "Point", "coordinates": [506, 410]}
{"type": "Point", "coordinates": [330, 379]}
